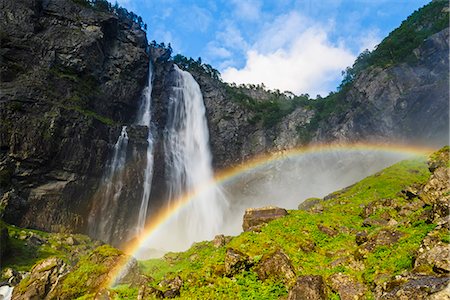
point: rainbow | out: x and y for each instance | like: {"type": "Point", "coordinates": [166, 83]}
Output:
{"type": "Point", "coordinates": [229, 174]}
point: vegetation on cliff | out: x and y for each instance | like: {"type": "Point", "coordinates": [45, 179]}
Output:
{"type": "Point", "coordinates": [376, 235]}
{"type": "Point", "coordinates": [370, 231]}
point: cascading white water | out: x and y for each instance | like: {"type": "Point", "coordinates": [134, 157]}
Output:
{"type": "Point", "coordinates": [188, 169]}
{"type": "Point", "coordinates": [144, 118]}
{"type": "Point", "coordinates": [107, 220]}
{"type": "Point", "coordinates": [101, 219]}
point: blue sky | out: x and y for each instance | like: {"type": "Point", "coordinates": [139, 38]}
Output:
{"type": "Point", "coordinates": [296, 45]}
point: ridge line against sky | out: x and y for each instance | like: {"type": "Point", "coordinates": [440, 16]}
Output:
{"type": "Point", "coordinates": [295, 45]}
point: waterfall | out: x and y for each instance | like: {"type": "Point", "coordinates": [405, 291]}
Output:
{"type": "Point", "coordinates": [188, 167]}
{"type": "Point", "coordinates": [119, 210]}
{"type": "Point", "coordinates": [102, 217]}
{"type": "Point", "coordinates": [144, 118]}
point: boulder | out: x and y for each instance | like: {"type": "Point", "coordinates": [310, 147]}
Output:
{"type": "Point", "coordinates": [437, 258]}
{"type": "Point", "coordinates": [172, 287]}
{"type": "Point", "coordinates": [220, 240]}
{"type": "Point", "coordinates": [327, 230]}
{"type": "Point", "coordinates": [361, 237]}
{"type": "Point", "coordinates": [415, 288]}
{"type": "Point", "coordinates": [384, 237]}
{"type": "Point", "coordinates": [235, 262]}
{"type": "Point", "coordinates": [308, 288]}
{"type": "Point", "coordinates": [276, 265]}
{"type": "Point", "coordinates": [146, 292]}
{"type": "Point", "coordinates": [309, 203]}
{"type": "Point", "coordinates": [42, 281]}
{"type": "Point", "coordinates": [256, 217]}
{"type": "Point", "coordinates": [347, 287]}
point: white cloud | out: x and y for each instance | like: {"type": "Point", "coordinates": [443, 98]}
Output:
{"type": "Point", "coordinates": [295, 55]}
{"type": "Point", "coordinates": [217, 51]}
{"type": "Point", "coordinates": [369, 40]}
{"type": "Point", "coordinates": [248, 10]}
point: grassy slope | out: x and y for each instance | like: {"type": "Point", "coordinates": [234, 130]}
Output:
{"type": "Point", "coordinates": [201, 267]}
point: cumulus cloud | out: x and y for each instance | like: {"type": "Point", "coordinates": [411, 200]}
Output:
{"type": "Point", "coordinates": [294, 55]}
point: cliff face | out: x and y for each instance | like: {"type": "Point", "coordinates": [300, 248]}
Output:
{"type": "Point", "coordinates": [70, 76]}
{"type": "Point", "coordinates": [402, 103]}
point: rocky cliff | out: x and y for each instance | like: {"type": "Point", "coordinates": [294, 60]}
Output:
{"type": "Point", "coordinates": [71, 75]}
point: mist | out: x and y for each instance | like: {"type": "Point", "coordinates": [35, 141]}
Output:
{"type": "Point", "coordinates": [284, 182]}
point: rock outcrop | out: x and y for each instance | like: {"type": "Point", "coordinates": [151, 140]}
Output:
{"type": "Point", "coordinates": [70, 76]}
{"type": "Point", "coordinates": [42, 281]}
{"type": "Point", "coordinates": [254, 218]}
{"type": "Point", "coordinates": [308, 287]}
{"type": "Point", "coordinates": [397, 103]}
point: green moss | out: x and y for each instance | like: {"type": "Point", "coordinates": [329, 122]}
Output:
{"type": "Point", "coordinates": [201, 267]}
{"type": "Point", "coordinates": [89, 271]}
{"type": "Point", "coordinates": [92, 114]}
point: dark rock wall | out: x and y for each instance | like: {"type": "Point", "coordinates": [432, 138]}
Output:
{"type": "Point", "coordinates": [408, 102]}
{"type": "Point", "coordinates": [70, 77]}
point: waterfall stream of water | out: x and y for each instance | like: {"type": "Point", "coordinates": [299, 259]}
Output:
{"type": "Point", "coordinates": [144, 118]}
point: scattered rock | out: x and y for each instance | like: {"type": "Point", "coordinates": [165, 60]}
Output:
{"type": "Point", "coordinates": [12, 276]}
{"type": "Point", "coordinates": [385, 237]}
{"type": "Point", "coordinates": [145, 292]}
{"type": "Point", "coordinates": [308, 288]}
{"type": "Point", "coordinates": [255, 217]}
{"type": "Point", "coordinates": [327, 230]}
{"type": "Point", "coordinates": [309, 203]}
{"type": "Point", "coordinates": [220, 240]}
{"type": "Point", "coordinates": [307, 246]}
{"type": "Point", "coordinates": [130, 274]}
{"type": "Point", "coordinates": [43, 280]}
{"type": "Point", "coordinates": [235, 262]}
{"type": "Point", "coordinates": [411, 192]}
{"type": "Point", "coordinates": [348, 288]}
{"type": "Point", "coordinates": [370, 222]}
{"type": "Point", "coordinates": [438, 258]}
{"type": "Point", "coordinates": [71, 241]}
{"type": "Point", "coordinates": [416, 288]}
{"type": "Point", "coordinates": [276, 265]}
{"type": "Point", "coordinates": [172, 287]}
{"type": "Point", "coordinates": [361, 237]}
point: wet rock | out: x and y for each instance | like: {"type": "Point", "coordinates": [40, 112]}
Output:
{"type": "Point", "coordinates": [42, 280]}
{"type": "Point", "coordinates": [255, 217]}
{"type": "Point", "coordinates": [12, 276]}
{"type": "Point", "coordinates": [308, 288]}
{"type": "Point", "coordinates": [235, 262]}
{"type": "Point", "coordinates": [327, 230]}
{"type": "Point", "coordinates": [414, 288]}
{"type": "Point", "coordinates": [361, 237]}
{"type": "Point", "coordinates": [73, 74]}
{"type": "Point", "coordinates": [276, 265]}
{"type": "Point", "coordinates": [347, 287]}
